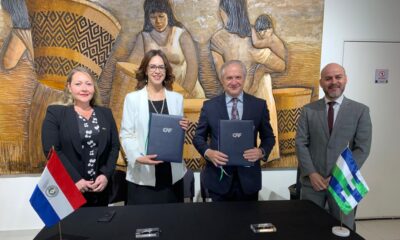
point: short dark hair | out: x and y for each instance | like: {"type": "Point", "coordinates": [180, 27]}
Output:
{"type": "Point", "coordinates": [238, 18]}
{"type": "Point", "coordinates": [263, 22]}
{"type": "Point", "coordinates": [141, 73]}
{"type": "Point", "coordinates": [152, 6]}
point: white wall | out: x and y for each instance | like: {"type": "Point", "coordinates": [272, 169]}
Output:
{"type": "Point", "coordinates": [15, 211]}
{"type": "Point", "coordinates": [360, 20]}
{"type": "Point", "coordinates": [343, 20]}
{"type": "Point", "coordinates": [361, 59]}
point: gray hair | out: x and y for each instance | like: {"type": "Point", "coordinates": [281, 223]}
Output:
{"type": "Point", "coordinates": [231, 62]}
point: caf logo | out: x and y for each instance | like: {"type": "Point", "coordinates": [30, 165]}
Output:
{"type": "Point", "coordinates": [52, 191]}
{"type": "Point", "coordinates": [167, 130]}
{"type": "Point", "coordinates": [236, 135]}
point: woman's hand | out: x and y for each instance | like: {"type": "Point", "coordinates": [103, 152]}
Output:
{"type": "Point", "coordinates": [84, 185]}
{"type": "Point", "coordinates": [184, 122]}
{"type": "Point", "coordinates": [148, 159]}
{"type": "Point", "coordinates": [100, 183]}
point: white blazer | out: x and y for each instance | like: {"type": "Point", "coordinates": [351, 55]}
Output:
{"type": "Point", "coordinates": [134, 131]}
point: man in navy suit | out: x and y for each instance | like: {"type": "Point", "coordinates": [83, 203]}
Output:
{"type": "Point", "coordinates": [237, 183]}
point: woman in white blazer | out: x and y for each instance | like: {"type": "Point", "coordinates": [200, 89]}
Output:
{"type": "Point", "coordinates": [150, 180]}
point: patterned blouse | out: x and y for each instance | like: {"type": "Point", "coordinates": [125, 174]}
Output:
{"type": "Point", "coordinates": [89, 131]}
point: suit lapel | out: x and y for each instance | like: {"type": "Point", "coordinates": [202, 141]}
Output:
{"type": "Point", "coordinates": [103, 130]}
{"type": "Point", "coordinates": [72, 125]}
{"type": "Point", "coordinates": [172, 107]}
{"type": "Point", "coordinates": [222, 105]}
{"type": "Point", "coordinates": [343, 112]}
{"type": "Point", "coordinates": [246, 107]}
{"type": "Point", "coordinates": [144, 111]}
{"type": "Point", "coordinates": [322, 116]}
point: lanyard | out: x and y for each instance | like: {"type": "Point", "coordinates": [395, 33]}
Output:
{"type": "Point", "coordinates": [223, 172]}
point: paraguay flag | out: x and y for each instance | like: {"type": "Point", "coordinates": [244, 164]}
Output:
{"type": "Point", "coordinates": [56, 195]}
{"type": "Point", "coordinates": [347, 186]}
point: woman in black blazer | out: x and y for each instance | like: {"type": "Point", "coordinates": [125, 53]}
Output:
{"type": "Point", "coordinates": [85, 136]}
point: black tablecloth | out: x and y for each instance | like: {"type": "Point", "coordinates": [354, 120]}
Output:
{"type": "Point", "coordinates": [206, 221]}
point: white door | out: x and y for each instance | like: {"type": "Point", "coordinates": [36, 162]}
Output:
{"type": "Point", "coordinates": [382, 169]}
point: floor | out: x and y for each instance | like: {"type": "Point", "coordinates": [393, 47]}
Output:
{"type": "Point", "coordinates": [379, 229]}
{"type": "Point", "coordinates": [370, 230]}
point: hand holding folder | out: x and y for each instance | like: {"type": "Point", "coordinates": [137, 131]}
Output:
{"type": "Point", "coordinates": [148, 159]}
{"type": "Point", "coordinates": [235, 137]}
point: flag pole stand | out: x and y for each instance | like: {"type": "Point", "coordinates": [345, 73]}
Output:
{"type": "Point", "coordinates": [341, 231]}
{"type": "Point", "coordinates": [59, 230]}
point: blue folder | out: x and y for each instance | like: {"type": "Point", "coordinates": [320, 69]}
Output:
{"type": "Point", "coordinates": [236, 136]}
{"type": "Point", "coordinates": [166, 137]}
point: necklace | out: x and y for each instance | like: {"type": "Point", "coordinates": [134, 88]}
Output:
{"type": "Point", "coordinates": [86, 113]}
{"type": "Point", "coordinates": [155, 109]}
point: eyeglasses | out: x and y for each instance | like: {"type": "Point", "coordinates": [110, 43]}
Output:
{"type": "Point", "coordinates": [153, 68]}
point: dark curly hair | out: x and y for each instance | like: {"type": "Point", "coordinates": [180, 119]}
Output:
{"type": "Point", "coordinates": [141, 73]}
{"type": "Point", "coordinates": [263, 22]}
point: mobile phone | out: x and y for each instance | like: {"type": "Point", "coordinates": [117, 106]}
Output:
{"type": "Point", "coordinates": [107, 217]}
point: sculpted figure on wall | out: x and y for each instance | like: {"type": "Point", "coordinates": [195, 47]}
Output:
{"type": "Point", "coordinates": [40, 41]}
{"type": "Point", "coordinates": [17, 82]}
{"type": "Point", "coordinates": [19, 40]}
{"type": "Point", "coordinates": [262, 52]}
{"type": "Point", "coordinates": [163, 31]}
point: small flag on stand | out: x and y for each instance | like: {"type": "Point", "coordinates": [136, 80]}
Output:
{"type": "Point", "coordinates": [56, 195]}
{"type": "Point", "coordinates": [347, 186]}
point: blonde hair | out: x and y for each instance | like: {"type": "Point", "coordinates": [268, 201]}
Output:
{"type": "Point", "coordinates": [67, 98]}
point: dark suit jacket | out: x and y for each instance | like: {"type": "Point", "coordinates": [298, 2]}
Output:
{"type": "Point", "coordinates": [317, 151]}
{"type": "Point", "coordinates": [60, 129]}
{"type": "Point", "coordinates": [214, 110]}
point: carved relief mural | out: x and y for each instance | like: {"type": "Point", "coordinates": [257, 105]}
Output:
{"type": "Point", "coordinates": [41, 41]}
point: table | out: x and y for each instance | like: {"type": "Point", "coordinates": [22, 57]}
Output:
{"type": "Point", "coordinates": [294, 219]}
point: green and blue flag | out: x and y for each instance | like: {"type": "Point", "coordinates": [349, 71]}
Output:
{"type": "Point", "coordinates": [347, 186]}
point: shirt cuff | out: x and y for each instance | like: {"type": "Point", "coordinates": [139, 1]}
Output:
{"type": "Point", "coordinates": [205, 156]}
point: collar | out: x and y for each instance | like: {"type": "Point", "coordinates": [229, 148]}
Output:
{"type": "Point", "coordinates": [228, 98]}
{"type": "Point", "coordinates": [338, 100]}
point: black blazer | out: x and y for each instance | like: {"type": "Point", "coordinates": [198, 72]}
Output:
{"type": "Point", "coordinates": [214, 110]}
{"type": "Point", "coordinates": [60, 129]}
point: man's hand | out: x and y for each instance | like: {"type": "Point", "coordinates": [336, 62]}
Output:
{"type": "Point", "coordinates": [253, 154]}
{"type": "Point", "coordinates": [318, 182]}
{"type": "Point", "coordinates": [216, 157]}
